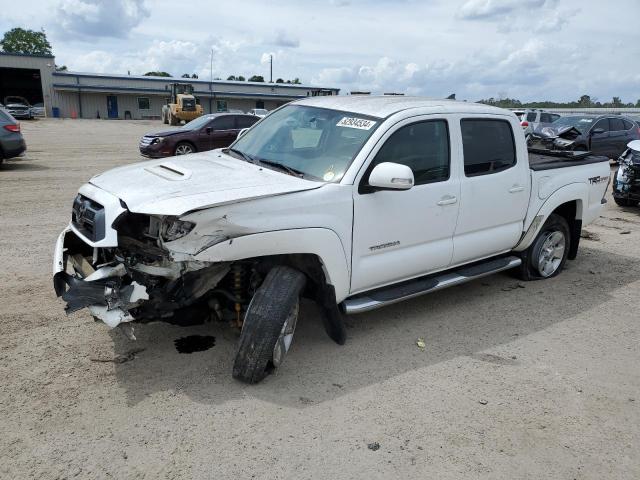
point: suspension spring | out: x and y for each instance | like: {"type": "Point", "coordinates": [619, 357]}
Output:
{"type": "Point", "coordinates": [238, 277]}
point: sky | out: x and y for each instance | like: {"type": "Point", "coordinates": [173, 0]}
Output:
{"type": "Point", "coordinates": [526, 49]}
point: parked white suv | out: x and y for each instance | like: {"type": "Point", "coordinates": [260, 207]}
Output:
{"type": "Point", "coordinates": [533, 120]}
{"type": "Point", "coordinates": [354, 202]}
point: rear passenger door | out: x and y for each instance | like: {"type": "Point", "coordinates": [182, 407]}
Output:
{"type": "Point", "coordinates": [401, 234]}
{"type": "Point", "coordinates": [619, 136]}
{"type": "Point", "coordinates": [245, 121]}
{"type": "Point", "coordinates": [495, 189]}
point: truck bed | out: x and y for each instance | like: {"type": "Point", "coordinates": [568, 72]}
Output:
{"type": "Point", "coordinates": [549, 159]}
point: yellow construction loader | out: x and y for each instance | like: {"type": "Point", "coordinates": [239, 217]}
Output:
{"type": "Point", "coordinates": [182, 105]}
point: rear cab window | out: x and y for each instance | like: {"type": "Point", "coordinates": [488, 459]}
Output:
{"type": "Point", "coordinates": [488, 146]}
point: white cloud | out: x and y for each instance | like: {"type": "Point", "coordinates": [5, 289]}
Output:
{"type": "Point", "coordinates": [98, 18]}
{"type": "Point", "coordinates": [483, 9]}
{"type": "Point", "coordinates": [284, 39]}
{"type": "Point", "coordinates": [528, 49]}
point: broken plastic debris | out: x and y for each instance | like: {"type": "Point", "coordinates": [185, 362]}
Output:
{"type": "Point", "coordinates": [420, 343]}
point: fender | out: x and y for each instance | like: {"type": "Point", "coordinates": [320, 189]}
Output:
{"type": "Point", "coordinates": [578, 192]}
{"type": "Point", "coordinates": [322, 242]}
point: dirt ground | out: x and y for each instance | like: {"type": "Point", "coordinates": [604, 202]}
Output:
{"type": "Point", "coordinates": [534, 380]}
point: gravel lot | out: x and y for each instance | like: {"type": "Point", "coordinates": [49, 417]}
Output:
{"type": "Point", "coordinates": [535, 380]}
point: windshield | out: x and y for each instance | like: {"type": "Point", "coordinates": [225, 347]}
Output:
{"type": "Point", "coordinates": [582, 124]}
{"type": "Point", "coordinates": [197, 123]}
{"type": "Point", "coordinates": [318, 142]}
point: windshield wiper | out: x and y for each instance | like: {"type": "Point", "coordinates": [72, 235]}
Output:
{"type": "Point", "coordinates": [245, 156]}
{"type": "Point", "coordinates": [285, 168]}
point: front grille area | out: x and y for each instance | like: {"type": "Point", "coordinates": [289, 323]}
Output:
{"type": "Point", "coordinates": [146, 141]}
{"type": "Point", "coordinates": [88, 217]}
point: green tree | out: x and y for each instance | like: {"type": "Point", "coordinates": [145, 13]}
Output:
{"type": "Point", "coordinates": [19, 40]}
{"type": "Point", "coordinates": [240, 78]}
{"type": "Point", "coordinates": [186, 75]}
{"type": "Point", "coordinates": [256, 78]}
{"type": "Point", "coordinates": [279, 80]}
{"type": "Point", "coordinates": [61, 68]}
{"type": "Point", "coordinates": [585, 101]}
{"type": "Point", "coordinates": [231, 78]}
{"type": "Point", "coordinates": [194, 75]}
{"type": "Point", "coordinates": [158, 74]}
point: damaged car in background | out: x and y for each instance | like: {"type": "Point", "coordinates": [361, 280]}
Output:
{"type": "Point", "coordinates": [600, 135]}
{"type": "Point", "coordinates": [626, 183]}
{"type": "Point", "coordinates": [352, 202]}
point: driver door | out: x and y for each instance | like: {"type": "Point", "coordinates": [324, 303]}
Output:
{"type": "Point", "coordinates": [401, 234]}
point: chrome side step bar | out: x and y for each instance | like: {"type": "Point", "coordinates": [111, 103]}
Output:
{"type": "Point", "coordinates": [420, 286]}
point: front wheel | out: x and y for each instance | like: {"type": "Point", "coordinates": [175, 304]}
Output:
{"type": "Point", "coordinates": [269, 325]}
{"type": "Point", "coordinates": [184, 149]}
{"type": "Point", "coordinates": [547, 255]}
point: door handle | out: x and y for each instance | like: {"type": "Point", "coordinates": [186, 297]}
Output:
{"type": "Point", "coordinates": [516, 189]}
{"type": "Point", "coordinates": [447, 200]}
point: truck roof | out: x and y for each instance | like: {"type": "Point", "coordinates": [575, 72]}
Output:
{"type": "Point", "coordinates": [382, 106]}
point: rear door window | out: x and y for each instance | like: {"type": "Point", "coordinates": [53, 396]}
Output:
{"type": "Point", "coordinates": [627, 125]}
{"type": "Point", "coordinates": [616, 124]}
{"type": "Point", "coordinates": [245, 121]}
{"type": "Point", "coordinates": [223, 123]}
{"type": "Point", "coordinates": [546, 118]}
{"type": "Point", "coordinates": [531, 116]}
{"type": "Point", "coordinates": [423, 147]}
{"type": "Point", "coordinates": [488, 146]}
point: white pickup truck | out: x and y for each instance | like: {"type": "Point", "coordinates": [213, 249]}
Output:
{"type": "Point", "coordinates": [354, 202]}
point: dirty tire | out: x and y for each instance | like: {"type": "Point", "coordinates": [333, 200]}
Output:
{"type": "Point", "coordinates": [263, 322]}
{"type": "Point", "coordinates": [625, 202]}
{"type": "Point", "coordinates": [555, 231]}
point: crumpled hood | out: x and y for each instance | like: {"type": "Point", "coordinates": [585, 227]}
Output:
{"type": "Point", "coordinates": [176, 185]}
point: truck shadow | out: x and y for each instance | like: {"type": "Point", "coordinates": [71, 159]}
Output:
{"type": "Point", "coordinates": [461, 321]}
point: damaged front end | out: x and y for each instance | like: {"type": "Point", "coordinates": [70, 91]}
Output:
{"type": "Point", "coordinates": [550, 139]}
{"type": "Point", "coordinates": [134, 277]}
{"type": "Point", "coordinates": [626, 185]}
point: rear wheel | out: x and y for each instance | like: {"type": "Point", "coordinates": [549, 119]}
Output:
{"type": "Point", "coordinates": [184, 148]}
{"type": "Point", "coordinates": [269, 325]}
{"type": "Point", "coordinates": [547, 255]}
{"type": "Point", "coordinates": [625, 202]}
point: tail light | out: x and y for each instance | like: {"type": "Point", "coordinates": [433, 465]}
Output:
{"type": "Point", "coordinates": [524, 123]}
{"type": "Point", "coordinates": [13, 127]}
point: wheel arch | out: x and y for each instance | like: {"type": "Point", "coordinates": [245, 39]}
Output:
{"type": "Point", "coordinates": [302, 248]}
{"type": "Point", "coordinates": [568, 202]}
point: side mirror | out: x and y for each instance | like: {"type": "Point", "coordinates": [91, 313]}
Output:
{"type": "Point", "coordinates": [391, 176]}
{"type": "Point", "coordinates": [208, 130]}
{"type": "Point", "coordinates": [597, 131]}
{"type": "Point", "coordinates": [242, 132]}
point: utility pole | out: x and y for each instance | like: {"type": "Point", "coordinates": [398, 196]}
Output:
{"type": "Point", "coordinates": [211, 67]}
{"type": "Point", "coordinates": [271, 68]}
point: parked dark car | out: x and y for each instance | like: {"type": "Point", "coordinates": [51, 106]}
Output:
{"type": "Point", "coordinates": [207, 132]}
{"type": "Point", "coordinates": [606, 135]}
{"type": "Point", "coordinates": [12, 143]}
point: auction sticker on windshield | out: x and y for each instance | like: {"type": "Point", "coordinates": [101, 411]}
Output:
{"type": "Point", "coordinates": [353, 122]}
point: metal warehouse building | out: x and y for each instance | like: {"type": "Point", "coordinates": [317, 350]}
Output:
{"type": "Point", "coordinates": [89, 95]}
